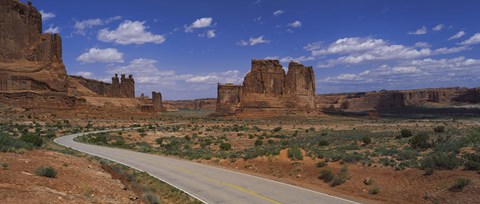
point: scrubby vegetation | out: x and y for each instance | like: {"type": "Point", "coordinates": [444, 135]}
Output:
{"type": "Point", "coordinates": [46, 171]}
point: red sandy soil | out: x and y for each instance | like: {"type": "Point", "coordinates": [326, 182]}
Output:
{"type": "Point", "coordinates": [407, 186]}
{"type": "Point", "coordinates": [78, 180]}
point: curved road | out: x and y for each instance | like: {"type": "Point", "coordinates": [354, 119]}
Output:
{"type": "Point", "coordinates": [206, 183]}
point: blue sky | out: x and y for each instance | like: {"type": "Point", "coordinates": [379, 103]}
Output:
{"type": "Point", "coordinates": [183, 48]}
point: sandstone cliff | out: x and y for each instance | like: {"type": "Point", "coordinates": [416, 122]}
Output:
{"type": "Point", "coordinates": [267, 89]}
{"type": "Point", "coordinates": [29, 60]}
{"type": "Point", "coordinates": [119, 88]}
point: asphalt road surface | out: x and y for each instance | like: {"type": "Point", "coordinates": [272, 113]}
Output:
{"type": "Point", "coordinates": [206, 183]}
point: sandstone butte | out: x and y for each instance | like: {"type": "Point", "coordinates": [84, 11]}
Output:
{"type": "Point", "coordinates": [267, 89]}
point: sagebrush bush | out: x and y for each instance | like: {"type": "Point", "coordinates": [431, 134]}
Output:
{"type": "Point", "coordinates": [46, 171]}
{"type": "Point", "coordinates": [323, 143]}
{"type": "Point", "coordinates": [366, 140]}
{"type": "Point", "coordinates": [10, 144]}
{"type": "Point", "coordinates": [374, 191]}
{"type": "Point", "coordinates": [459, 184]}
{"type": "Point", "coordinates": [321, 164]}
{"type": "Point", "coordinates": [259, 142]}
{"type": "Point", "coordinates": [295, 154]}
{"type": "Point", "coordinates": [341, 177]}
{"type": "Point", "coordinates": [151, 198]}
{"type": "Point", "coordinates": [225, 146]}
{"type": "Point", "coordinates": [439, 129]}
{"type": "Point", "coordinates": [440, 160]}
{"type": "Point", "coordinates": [420, 141]}
{"type": "Point", "coordinates": [326, 175]}
{"type": "Point", "coordinates": [406, 133]}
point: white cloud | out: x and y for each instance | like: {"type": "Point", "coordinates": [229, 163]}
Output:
{"type": "Point", "coordinates": [199, 23]}
{"type": "Point", "coordinates": [424, 72]}
{"type": "Point", "coordinates": [130, 32]}
{"type": "Point", "coordinates": [253, 41]}
{"type": "Point", "coordinates": [449, 50]}
{"type": "Point", "coordinates": [52, 29]}
{"type": "Point", "coordinates": [297, 59]}
{"type": "Point", "coordinates": [211, 34]}
{"type": "Point", "coordinates": [47, 15]}
{"type": "Point", "coordinates": [358, 50]}
{"type": "Point", "coordinates": [313, 46]}
{"type": "Point", "coordinates": [458, 35]}
{"type": "Point", "coordinates": [475, 39]}
{"type": "Point", "coordinates": [438, 27]}
{"type": "Point", "coordinates": [422, 44]}
{"type": "Point", "coordinates": [278, 12]}
{"type": "Point", "coordinates": [232, 76]}
{"type": "Point", "coordinates": [82, 26]}
{"type": "Point", "coordinates": [295, 24]}
{"type": "Point", "coordinates": [350, 45]}
{"type": "Point", "coordinates": [84, 74]}
{"type": "Point", "coordinates": [101, 55]}
{"type": "Point", "coordinates": [420, 31]}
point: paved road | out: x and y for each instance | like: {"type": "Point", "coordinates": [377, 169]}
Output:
{"type": "Point", "coordinates": [206, 183]}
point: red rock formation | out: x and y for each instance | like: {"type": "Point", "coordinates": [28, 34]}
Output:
{"type": "Point", "coordinates": [397, 99]}
{"type": "Point", "coordinates": [157, 102]}
{"type": "Point", "coordinates": [266, 88]}
{"type": "Point", "coordinates": [195, 104]}
{"type": "Point", "coordinates": [117, 89]}
{"type": "Point", "coordinates": [29, 60]}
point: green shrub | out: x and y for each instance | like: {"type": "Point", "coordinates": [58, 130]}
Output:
{"type": "Point", "coordinates": [46, 171]}
{"type": "Point", "coordinates": [151, 198]}
{"type": "Point", "coordinates": [35, 140]}
{"type": "Point", "coordinates": [374, 191]}
{"type": "Point", "coordinates": [326, 175]}
{"type": "Point", "coordinates": [406, 133]}
{"type": "Point", "coordinates": [225, 146]}
{"type": "Point", "coordinates": [259, 142]}
{"type": "Point", "coordinates": [459, 184]}
{"type": "Point", "coordinates": [277, 129]}
{"type": "Point", "coordinates": [295, 154]}
{"type": "Point", "coordinates": [440, 160]}
{"type": "Point", "coordinates": [366, 140]}
{"type": "Point", "coordinates": [341, 177]}
{"type": "Point", "coordinates": [472, 162]}
{"type": "Point", "coordinates": [420, 141]}
{"type": "Point", "coordinates": [321, 164]}
{"type": "Point", "coordinates": [10, 144]}
{"type": "Point", "coordinates": [368, 181]}
{"type": "Point", "coordinates": [323, 143]}
{"type": "Point", "coordinates": [439, 129]}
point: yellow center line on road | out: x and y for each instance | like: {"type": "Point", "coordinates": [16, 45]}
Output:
{"type": "Point", "coordinates": [239, 188]}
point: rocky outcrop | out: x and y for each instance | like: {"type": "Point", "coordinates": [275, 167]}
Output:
{"type": "Point", "coordinates": [157, 102]}
{"type": "Point", "coordinates": [29, 60]}
{"type": "Point", "coordinates": [384, 100]}
{"type": "Point", "coordinates": [267, 89]}
{"type": "Point", "coordinates": [119, 88]}
{"type": "Point", "coordinates": [195, 104]}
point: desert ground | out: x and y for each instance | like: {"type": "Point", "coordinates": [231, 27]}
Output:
{"type": "Point", "coordinates": [389, 160]}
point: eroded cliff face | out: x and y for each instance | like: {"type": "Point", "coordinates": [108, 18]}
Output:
{"type": "Point", "coordinates": [119, 88]}
{"type": "Point", "coordinates": [268, 89]}
{"type": "Point", "coordinates": [441, 97]}
{"type": "Point", "coordinates": [30, 62]}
